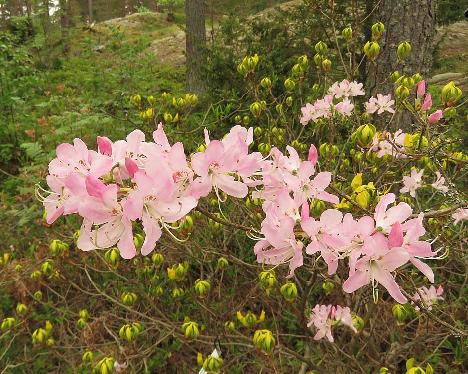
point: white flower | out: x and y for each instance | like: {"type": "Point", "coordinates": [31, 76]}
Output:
{"type": "Point", "coordinates": [413, 182]}
{"type": "Point", "coordinates": [439, 183]}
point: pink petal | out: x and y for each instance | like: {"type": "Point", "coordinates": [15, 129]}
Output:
{"type": "Point", "coordinates": [395, 238]}
{"type": "Point", "coordinates": [131, 166]}
{"type": "Point", "coordinates": [313, 154]}
{"type": "Point", "coordinates": [385, 279]}
{"type": "Point", "coordinates": [423, 268]}
{"type": "Point", "coordinates": [356, 281]}
{"type": "Point", "coordinates": [152, 234]}
{"type": "Point", "coordinates": [104, 145]}
{"type": "Point", "coordinates": [230, 186]}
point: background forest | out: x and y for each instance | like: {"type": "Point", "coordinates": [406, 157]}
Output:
{"type": "Point", "coordinates": [87, 68]}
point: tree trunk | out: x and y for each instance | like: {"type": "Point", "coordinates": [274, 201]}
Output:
{"type": "Point", "coordinates": [195, 33]}
{"type": "Point", "coordinates": [404, 20]}
{"type": "Point", "coordinates": [90, 11]}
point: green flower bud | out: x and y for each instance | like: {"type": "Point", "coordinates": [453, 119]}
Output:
{"type": "Point", "coordinates": [401, 314]}
{"type": "Point", "coordinates": [303, 61]}
{"type": "Point", "coordinates": [289, 291]}
{"type": "Point", "coordinates": [326, 65]}
{"type": "Point", "coordinates": [357, 181]}
{"type": "Point", "coordinates": [450, 94]}
{"type": "Point", "coordinates": [328, 286]}
{"type": "Point", "coordinates": [246, 120]}
{"type": "Point", "coordinates": [289, 101]}
{"type": "Point", "coordinates": [318, 60]}
{"type": "Point", "coordinates": [136, 100]}
{"type": "Point", "coordinates": [151, 100]}
{"type": "Point", "coordinates": [190, 329]}
{"type": "Point", "coordinates": [358, 322]}
{"type": "Point", "coordinates": [384, 370]}
{"type": "Point", "coordinates": [104, 366]}
{"type": "Point", "coordinates": [395, 76]}
{"type": "Point", "coordinates": [258, 131]}
{"type": "Point", "coordinates": [264, 340]}
{"type": "Point", "coordinates": [47, 267]}
{"type": "Point", "coordinates": [128, 298]}
{"type": "Point", "coordinates": [347, 33]}
{"type": "Point", "coordinates": [317, 207]}
{"type": "Point", "coordinates": [256, 109]}
{"type": "Point", "coordinates": [39, 336]}
{"type": "Point", "coordinates": [372, 50]}
{"type": "Point", "coordinates": [21, 309]}
{"type": "Point", "coordinates": [57, 247]}
{"type": "Point", "coordinates": [363, 199]}
{"type": "Point", "coordinates": [36, 275]}
{"type": "Point", "coordinates": [267, 279]}
{"type": "Point", "coordinates": [364, 135]}
{"type": "Point", "coordinates": [138, 240]}
{"type": "Point", "coordinates": [88, 356]}
{"type": "Point", "coordinates": [238, 119]}
{"type": "Point", "coordinates": [417, 77]}
{"type": "Point", "coordinates": [377, 30]}
{"type": "Point", "coordinates": [157, 258]}
{"type": "Point", "coordinates": [297, 71]}
{"type": "Point", "coordinates": [321, 48]}
{"type": "Point", "coordinates": [37, 295]}
{"type": "Point", "coordinates": [229, 325]}
{"type": "Point", "coordinates": [223, 263]}
{"type": "Point", "coordinates": [403, 50]}
{"type": "Point", "coordinates": [112, 256]}
{"type": "Point", "coordinates": [157, 291]}
{"type": "Point", "coordinates": [265, 83]}
{"type": "Point", "coordinates": [212, 364]}
{"type": "Point", "coordinates": [289, 84]}
{"type": "Point", "coordinates": [83, 314]}
{"type": "Point", "coordinates": [202, 287]}
{"type": "Point", "coordinates": [177, 292]}
{"type": "Point", "coordinates": [8, 323]}
{"type": "Point", "coordinates": [50, 342]}
{"type": "Point", "coordinates": [81, 323]}
{"type": "Point", "coordinates": [402, 92]}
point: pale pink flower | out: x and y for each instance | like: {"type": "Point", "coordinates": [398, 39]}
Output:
{"type": "Point", "coordinates": [383, 103]}
{"type": "Point", "coordinates": [439, 183]}
{"type": "Point", "coordinates": [313, 154]}
{"type": "Point", "coordinates": [427, 103]}
{"type": "Point", "coordinates": [376, 266]}
{"type": "Point", "coordinates": [324, 317]}
{"type": "Point", "coordinates": [386, 218]}
{"type": "Point", "coordinates": [345, 107]}
{"type": "Point", "coordinates": [413, 182]}
{"type": "Point", "coordinates": [346, 88]}
{"type": "Point", "coordinates": [421, 88]}
{"type": "Point", "coordinates": [428, 296]}
{"type": "Point", "coordinates": [460, 215]}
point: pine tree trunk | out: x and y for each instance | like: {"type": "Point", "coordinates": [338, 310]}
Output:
{"type": "Point", "coordinates": [404, 20]}
{"type": "Point", "coordinates": [195, 44]}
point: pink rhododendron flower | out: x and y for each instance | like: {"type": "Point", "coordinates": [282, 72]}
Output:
{"type": "Point", "coordinates": [383, 103]}
{"type": "Point", "coordinates": [460, 215]}
{"type": "Point", "coordinates": [428, 296]}
{"type": "Point", "coordinates": [413, 182]}
{"type": "Point", "coordinates": [345, 107]}
{"type": "Point", "coordinates": [346, 88]}
{"type": "Point", "coordinates": [439, 183]}
{"type": "Point", "coordinates": [324, 317]}
{"type": "Point", "coordinates": [421, 88]}
{"type": "Point", "coordinates": [386, 218]}
{"type": "Point", "coordinates": [427, 103]}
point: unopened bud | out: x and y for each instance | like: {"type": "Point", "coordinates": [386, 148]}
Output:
{"type": "Point", "coordinates": [289, 291]}
{"type": "Point", "coordinates": [403, 50]}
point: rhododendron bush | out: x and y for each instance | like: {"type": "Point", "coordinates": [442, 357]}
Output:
{"type": "Point", "coordinates": [308, 227]}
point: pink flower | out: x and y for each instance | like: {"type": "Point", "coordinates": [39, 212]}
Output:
{"type": "Point", "coordinates": [421, 88]}
{"type": "Point", "coordinates": [427, 103]}
{"type": "Point", "coordinates": [439, 183]}
{"type": "Point", "coordinates": [435, 117]}
{"type": "Point", "coordinates": [324, 317]}
{"type": "Point", "coordinates": [280, 245]}
{"type": "Point", "coordinates": [428, 296]}
{"type": "Point", "coordinates": [385, 219]}
{"type": "Point", "coordinates": [313, 154]}
{"type": "Point", "coordinates": [345, 107]}
{"type": "Point", "coordinates": [460, 215]}
{"type": "Point", "coordinates": [376, 266]}
{"type": "Point", "coordinates": [383, 103]}
{"type": "Point", "coordinates": [346, 88]}
{"type": "Point", "coordinates": [413, 182]}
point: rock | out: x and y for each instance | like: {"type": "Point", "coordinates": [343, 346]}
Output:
{"type": "Point", "coordinates": [446, 77]}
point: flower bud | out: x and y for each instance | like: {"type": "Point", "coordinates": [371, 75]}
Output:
{"type": "Point", "coordinates": [81, 323]}
{"type": "Point", "coordinates": [377, 30]}
{"type": "Point", "coordinates": [264, 340]}
{"type": "Point", "coordinates": [202, 287]}
{"type": "Point", "coordinates": [347, 33]}
{"type": "Point", "coordinates": [289, 101]}
{"type": "Point", "coordinates": [128, 298]}
{"type": "Point", "coordinates": [88, 356]}
{"type": "Point", "coordinates": [403, 50]}
{"type": "Point", "coordinates": [450, 94]}
{"type": "Point", "coordinates": [84, 314]}
{"type": "Point", "coordinates": [401, 314]}
{"type": "Point", "coordinates": [246, 120]}
{"type": "Point", "coordinates": [372, 50]}
{"type": "Point", "coordinates": [104, 366]}
{"type": "Point", "coordinates": [136, 100]}
{"type": "Point", "coordinates": [402, 92]}
{"type": "Point", "coordinates": [39, 336]}
{"type": "Point", "coordinates": [364, 135]}
{"type": "Point", "coordinates": [151, 100]}
{"type": "Point", "coordinates": [237, 119]}
{"type": "Point", "coordinates": [8, 323]}
{"type": "Point", "coordinates": [223, 263]}
{"type": "Point", "coordinates": [317, 207]}
{"type": "Point", "coordinates": [177, 292]}
{"type": "Point", "coordinates": [357, 181]}
{"type": "Point", "coordinates": [289, 84]}
{"type": "Point", "coordinates": [256, 109]}
{"type": "Point", "coordinates": [157, 258]}
{"type": "Point", "coordinates": [190, 329]}
{"type": "Point", "coordinates": [384, 370]}
{"type": "Point", "coordinates": [318, 60]}
{"type": "Point", "coordinates": [212, 363]}
{"type": "Point", "coordinates": [50, 342]}
{"type": "Point", "coordinates": [358, 322]}
{"type": "Point", "coordinates": [47, 267]}
{"type": "Point", "coordinates": [326, 65]}
{"type": "Point", "coordinates": [138, 240]}
{"type": "Point", "coordinates": [328, 286]}
{"type": "Point", "coordinates": [267, 279]}
{"type": "Point", "coordinates": [229, 325]}
{"type": "Point", "coordinates": [112, 256]}
{"type": "Point", "coordinates": [289, 291]}
{"type": "Point", "coordinates": [303, 61]}
{"type": "Point", "coordinates": [321, 48]}
{"type": "Point", "coordinates": [36, 274]}
{"type": "Point", "coordinates": [297, 71]}
{"type": "Point", "coordinates": [57, 247]}
{"type": "Point", "coordinates": [395, 76]}
{"type": "Point", "coordinates": [21, 309]}
{"type": "Point", "coordinates": [265, 83]}
{"type": "Point", "coordinates": [363, 199]}
{"type": "Point", "coordinates": [37, 295]}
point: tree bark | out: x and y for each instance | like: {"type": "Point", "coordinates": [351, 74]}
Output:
{"type": "Point", "coordinates": [90, 11]}
{"type": "Point", "coordinates": [195, 44]}
{"type": "Point", "coordinates": [404, 20]}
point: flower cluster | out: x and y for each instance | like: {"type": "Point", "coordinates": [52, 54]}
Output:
{"type": "Point", "coordinates": [323, 108]}
{"type": "Point", "coordinates": [428, 296]}
{"type": "Point", "coordinates": [323, 317]}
